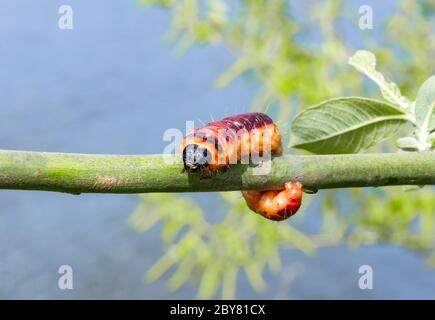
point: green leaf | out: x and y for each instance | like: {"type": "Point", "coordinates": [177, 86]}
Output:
{"type": "Point", "coordinates": [345, 125]}
{"type": "Point", "coordinates": [229, 282]}
{"type": "Point", "coordinates": [209, 282]}
{"type": "Point", "coordinates": [407, 143]}
{"type": "Point", "coordinates": [425, 105]}
{"type": "Point", "coordinates": [365, 62]}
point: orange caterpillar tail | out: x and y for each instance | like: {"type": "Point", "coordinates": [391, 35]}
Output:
{"type": "Point", "coordinates": [276, 205]}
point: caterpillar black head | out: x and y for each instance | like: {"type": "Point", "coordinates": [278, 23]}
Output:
{"type": "Point", "coordinates": [195, 158]}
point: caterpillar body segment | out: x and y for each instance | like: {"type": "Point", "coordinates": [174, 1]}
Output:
{"type": "Point", "coordinates": [221, 143]}
{"type": "Point", "coordinates": [276, 204]}
{"type": "Point", "coordinates": [236, 139]}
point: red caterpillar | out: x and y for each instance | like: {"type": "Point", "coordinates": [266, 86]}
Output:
{"type": "Point", "coordinates": [221, 143]}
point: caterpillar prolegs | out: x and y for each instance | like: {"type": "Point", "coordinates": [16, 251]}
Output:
{"type": "Point", "coordinates": [220, 144]}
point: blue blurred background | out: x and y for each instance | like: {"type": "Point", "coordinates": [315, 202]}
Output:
{"type": "Point", "coordinates": [111, 85]}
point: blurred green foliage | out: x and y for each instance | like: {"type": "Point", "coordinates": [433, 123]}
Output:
{"type": "Point", "coordinates": [299, 55]}
{"type": "Point", "coordinates": [216, 252]}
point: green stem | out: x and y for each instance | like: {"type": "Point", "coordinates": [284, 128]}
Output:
{"type": "Point", "coordinates": [79, 173]}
